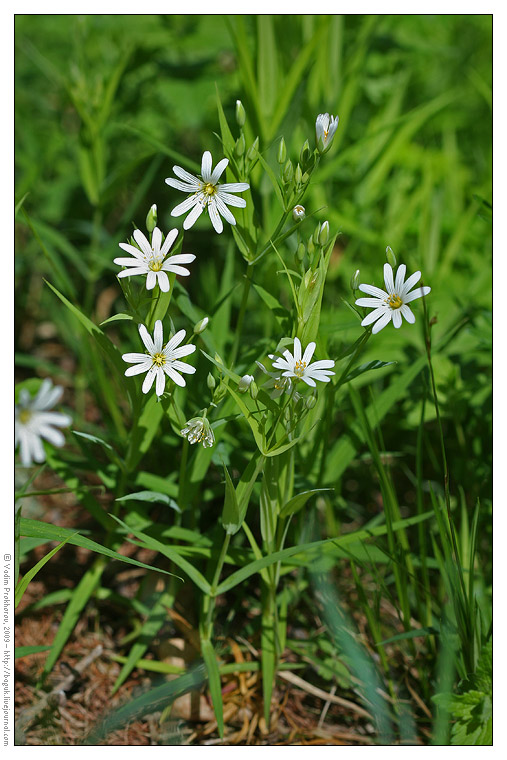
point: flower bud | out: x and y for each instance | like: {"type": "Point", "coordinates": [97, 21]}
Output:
{"type": "Point", "coordinates": [310, 246]}
{"type": "Point", "coordinates": [253, 390]}
{"type": "Point", "coordinates": [211, 382]}
{"type": "Point", "coordinates": [218, 359]}
{"type": "Point", "coordinates": [315, 236]}
{"type": "Point", "coordinates": [391, 258]}
{"type": "Point", "coordinates": [305, 153]}
{"type": "Point", "coordinates": [240, 113]}
{"type": "Point", "coordinates": [298, 213]}
{"type": "Point", "coordinates": [311, 401]}
{"type": "Point", "coordinates": [300, 253]}
{"type": "Point", "coordinates": [298, 175]}
{"type": "Point", "coordinates": [282, 152]}
{"type": "Point", "coordinates": [288, 172]}
{"type": "Point", "coordinates": [324, 233]}
{"type": "Point", "coordinates": [253, 150]}
{"type": "Point", "coordinates": [354, 280]}
{"type": "Point", "coordinates": [240, 146]}
{"type": "Point", "coordinates": [245, 383]}
{"type": "Point", "coordinates": [151, 218]}
{"type": "Point", "coordinates": [200, 326]}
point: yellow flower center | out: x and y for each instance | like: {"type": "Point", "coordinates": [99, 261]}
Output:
{"type": "Point", "coordinates": [394, 301]}
{"type": "Point", "coordinates": [299, 368]}
{"type": "Point", "coordinates": [24, 416]}
{"type": "Point", "coordinates": [209, 189]}
{"type": "Point", "coordinates": [159, 359]}
{"type": "Point", "coordinates": [155, 265]}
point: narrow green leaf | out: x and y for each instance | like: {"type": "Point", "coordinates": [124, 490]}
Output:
{"type": "Point", "coordinates": [25, 651]}
{"type": "Point", "coordinates": [117, 318]}
{"type": "Point", "coordinates": [210, 660]}
{"type": "Point", "coordinates": [152, 497]}
{"type": "Point", "coordinates": [299, 501]}
{"type": "Point", "coordinates": [23, 584]}
{"type": "Point", "coordinates": [375, 364]}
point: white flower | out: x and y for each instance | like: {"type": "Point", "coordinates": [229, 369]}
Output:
{"type": "Point", "coordinates": [393, 303]}
{"type": "Point", "coordinates": [198, 430]}
{"type": "Point", "coordinates": [325, 127]}
{"type": "Point", "coordinates": [160, 360]}
{"type": "Point", "coordinates": [33, 422]}
{"type": "Point", "coordinates": [150, 259]}
{"type": "Point", "coordinates": [276, 381]}
{"type": "Point", "coordinates": [299, 366]}
{"type": "Point", "coordinates": [206, 192]}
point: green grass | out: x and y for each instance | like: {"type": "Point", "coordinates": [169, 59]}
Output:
{"type": "Point", "coordinates": [397, 536]}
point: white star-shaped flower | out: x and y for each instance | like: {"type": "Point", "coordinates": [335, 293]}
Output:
{"type": "Point", "coordinates": [299, 366]}
{"type": "Point", "coordinates": [325, 127]}
{"type": "Point", "coordinates": [207, 193]}
{"type": "Point", "coordinates": [34, 421]}
{"type": "Point", "coordinates": [160, 360]}
{"type": "Point", "coordinates": [391, 303]}
{"type": "Point", "coordinates": [150, 259]}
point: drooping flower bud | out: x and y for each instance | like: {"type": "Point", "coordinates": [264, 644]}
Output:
{"type": "Point", "coordinates": [298, 213]}
{"type": "Point", "coordinates": [253, 390]}
{"type": "Point", "coordinates": [151, 218]}
{"type": "Point", "coordinates": [240, 113]}
{"type": "Point", "coordinates": [311, 401]}
{"type": "Point", "coordinates": [245, 383]}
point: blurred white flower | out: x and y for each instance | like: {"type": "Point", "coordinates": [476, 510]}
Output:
{"type": "Point", "coordinates": [160, 360]}
{"type": "Point", "coordinates": [325, 127]}
{"type": "Point", "coordinates": [278, 383]}
{"type": "Point", "coordinates": [150, 259]}
{"type": "Point", "coordinates": [198, 430]}
{"type": "Point", "coordinates": [299, 366]}
{"type": "Point", "coordinates": [393, 303]}
{"type": "Point", "coordinates": [207, 193]}
{"type": "Point", "coordinates": [34, 421]}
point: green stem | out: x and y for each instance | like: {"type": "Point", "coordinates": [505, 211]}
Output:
{"type": "Point", "coordinates": [241, 316]}
{"type": "Point", "coordinates": [209, 601]}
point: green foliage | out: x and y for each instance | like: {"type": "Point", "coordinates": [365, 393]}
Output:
{"type": "Point", "coordinates": [379, 482]}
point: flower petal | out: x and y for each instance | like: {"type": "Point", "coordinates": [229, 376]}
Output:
{"type": "Point", "coordinates": [408, 314]}
{"type": "Point", "coordinates": [309, 351]}
{"type": "Point", "coordinates": [183, 186]}
{"type": "Point", "coordinates": [142, 242]}
{"type": "Point", "coordinates": [135, 357]}
{"type": "Point", "coordinates": [148, 380]}
{"type": "Point", "coordinates": [163, 281]}
{"type": "Point", "coordinates": [151, 280]}
{"type": "Point", "coordinates": [215, 216]}
{"type": "Point", "coordinates": [175, 341]}
{"type": "Point", "coordinates": [374, 291]}
{"type": "Point", "coordinates": [234, 187]}
{"type": "Point", "coordinates": [193, 216]}
{"type": "Point", "coordinates": [156, 240]}
{"type": "Point", "coordinates": [160, 386]}
{"type": "Point", "coordinates": [388, 278]}
{"type": "Point", "coordinates": [158, 336]}
{"type": "Point", "coordinates": [186, 205]}
{"type": "Point", "coordinates": [231, 200]}
{"type": "Point", "coordinates": [132, 272]}
{"type": "Point", "coordinates": [146, 338]}
{"type": "Point", "coordinates": [397, 320]}
{"type": "Point", "coordinates": [138, 369]}
{"type": "Point", "coordinates": [375, 314]}
{"type": "Point", "coordinates": [206, 165]}
{"type": "Point", "coordinates": [185, 176]}
{"type": "Point", "coordinates": [132, 250]}
{"type": "Point", "coordinates": [417, 293]}
{"type": "Point", "coordinates": [222, 208]}
{"type": "Point", "coordinates": [170, 238]}
{"type": "Point", "coordinates": [175, 377]}
{"type": "Point", "coordinates": [218, 171]}
{"type": "Point", "coordinates": [369, 303]}
{"type": "Point", "coordinates": [183, 367]}
{"type": "Point", "coordinates": [297, 350]}
{"type": "Point", "coordinates": [400, 277]}
{"type": "Point", "coordinates": [411, 282]}
{"type": "Point", "coordinates": [382, 322]}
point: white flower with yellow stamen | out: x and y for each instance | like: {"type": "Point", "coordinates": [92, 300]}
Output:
{"type": "Point", "coordinates": [207, 193]}
{"type": "Point", "coordinates": [325, 127]}
{"type": "Point", "coordinates": [299, 367]}
{"type": "Point", "coordinates": [391, 303]}
{"type": "Point", "coordinates": [198, 430]}
{"type": "Point", "coordinates": [34, 421]}
{"type": "Point", "coordinates": [150, 259]}
{"type": "Point", "coordinates": [160, 360]}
